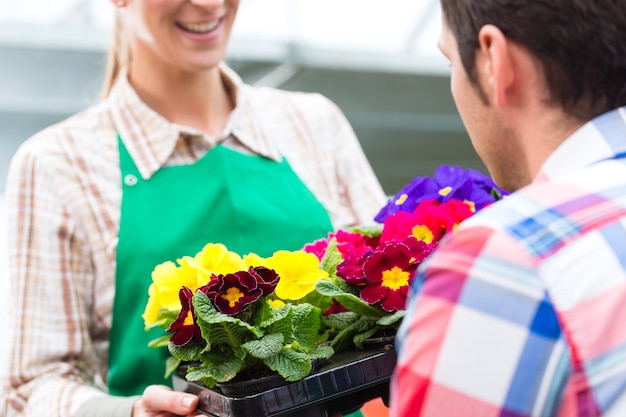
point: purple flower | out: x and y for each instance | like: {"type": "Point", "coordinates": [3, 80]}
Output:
{"type": "Point", "coordinates": [448, 182]}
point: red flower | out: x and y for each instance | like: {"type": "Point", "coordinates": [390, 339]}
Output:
{"type": "Point", "coordinates": [334, 308]}
{"type": "Point", "coordinates": [233, 293]}
{"type": "Point", "coordinates": [389, 271]}
{"type": "Point", "coordinates": [184, 327]}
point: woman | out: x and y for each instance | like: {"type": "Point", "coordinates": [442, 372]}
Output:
{"type": "Point", "coordinates": [179, 153]}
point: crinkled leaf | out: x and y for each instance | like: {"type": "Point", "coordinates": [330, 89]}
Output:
{"type": "Point", "coordinates": [321, 352]}
{"type": "Point", "coordinates": [339, 321]}
{"type": "Point", "coordinates": [190, 352]}
{"type": "Point", "coordinates": [225, 334]}
{"type": "Point", "coordinates": [344, 287]}
{"type": "Point", "coordinates": [221, 372]}
{"type": "Point", "coordinates": [349, 301]}
{"type": "Point", "coordinates": [162, 341]}
{"type": "Point", "coordinates": [392, 319]}
{"type": "Point", "coordinates": [318, 300]}
{"type": "Point", "coordinates": [344, 339]}
{"type": "Point", "coordinates": [170, 365]}
{"type": "Point", "coordinates": [274, 315]}
{"type": "Point", "coordinates": [266, 347]}
{"type": "Point", "coordinates": [305, 320]}
{"type": "Point", "coordinates": [291, 365]}
{"type": "Point", "coordinates": [359, 338]}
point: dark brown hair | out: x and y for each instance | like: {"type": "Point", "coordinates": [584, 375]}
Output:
{"type": "Point", "coordinates": [579, 44]}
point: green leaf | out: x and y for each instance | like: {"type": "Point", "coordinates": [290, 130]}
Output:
{"type": "Point", "coordinates": [318, 300]}
{"type": "Point", "coordinates": [321, 352]}
{"type": "Point", "coordinates": [162, 341]}
{"type": "Point", "coordinates": [344, 287]}
{"type": "Point", "coordinates": [190, 352]}
{"type": "Point", "coordinates": [359, 338]}
{"type": "Point", "coordinates": [274, 315]}
{"type": "Point", "coordinates": [345, 339]}
{"type": "Point", "coordinates": [220, 372]}
{"type": "Point", "coordinates": [291, 365]}
{"type": "Point", "coordinates": [269, 345]}
{"type": "Point", "coordinates": [392, 319]}
{"type": "Point", "coordinates": [340, 321]}
{"type": "Point", "coordinates": [332, 258]}
{"type": "Point", "coordinates": [164, 319]}
{"type": "Point", "coordinates": [305, 320]}
{"type": "Point", "coordinates": [170, 365]}
{"type": "Point", "coordinates": [349, 301]}
{"type": "Point", "coordinates": [370, 230]}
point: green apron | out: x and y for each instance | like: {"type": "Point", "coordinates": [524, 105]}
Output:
{"type": "Point", "coordinates": [247, 202]}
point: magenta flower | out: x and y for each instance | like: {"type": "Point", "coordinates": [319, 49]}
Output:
{"type": "Point", "coordinates": [389, 271]}
{"type": "Point", "coordinates": [184, 327]}
{"type": "Point", "coordinates": [351, 269]}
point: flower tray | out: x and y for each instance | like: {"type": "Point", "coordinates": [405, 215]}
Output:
{"type": "Point", "coordinates": [341, 384]}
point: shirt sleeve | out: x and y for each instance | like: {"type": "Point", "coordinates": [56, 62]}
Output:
{"type": "Point", "coordinates": [52, 361]}
{"type": "Point", "coordinates": [480, 337]}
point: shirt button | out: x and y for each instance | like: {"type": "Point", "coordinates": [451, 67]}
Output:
{"type": "Point", "coordinates": [130, 180]}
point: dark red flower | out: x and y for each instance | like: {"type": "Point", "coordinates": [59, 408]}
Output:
{"type": "Point", "coordinates": [267, 278]}
{"type": "Point", "coordinates": [184, 327]}
{"type": "Point", "coordinates": [233, 293]}
{"type": "Point", "coordinates": [389, 270]}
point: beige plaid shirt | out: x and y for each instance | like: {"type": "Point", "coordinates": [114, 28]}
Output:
{"type": "Point", "coordinates": [63, 203]}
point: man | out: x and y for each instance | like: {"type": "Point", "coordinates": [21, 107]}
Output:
{"type": "Point", "coordinates": [522, 310]}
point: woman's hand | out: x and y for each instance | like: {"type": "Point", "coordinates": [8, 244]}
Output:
{"type": "Point", "coordinates": [161, 401]}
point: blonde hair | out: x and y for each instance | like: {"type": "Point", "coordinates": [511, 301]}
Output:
{"type": "Point", "coordinates": [119, 53]}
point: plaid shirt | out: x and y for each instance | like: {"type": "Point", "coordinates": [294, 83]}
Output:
{"type": "Point", "coordinates": [522, 310]}
{"type": "Point", "coordinates": [63, 203]}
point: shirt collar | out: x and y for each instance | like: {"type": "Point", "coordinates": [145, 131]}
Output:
{"type": "Point", "coordinates": [151, 139]}
{"type": "Point", "coordinates": [602, 138]}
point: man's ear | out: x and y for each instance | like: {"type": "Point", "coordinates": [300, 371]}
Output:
{"type": "Point", "coordinates": [494, 64]}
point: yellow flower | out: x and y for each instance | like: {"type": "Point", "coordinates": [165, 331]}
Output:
{"type": "Point", "coordinates": [216, 259]}
{"type": "Point", "coordinates": [252, 259]}
{"type": "Point", "coordinates": [276, 303]}
{"type": "Point", "coordinates": [299, 272]}
{"type": "Point", "coordinates": [152, 308]}
{"type": "Point", "coordinates": [167, 280]}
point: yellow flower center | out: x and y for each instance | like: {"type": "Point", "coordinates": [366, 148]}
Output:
{"type": "Point", "coordinates": [395, 278]}
{"type": "Point", "coordinates": [423, 233]}
{"type": "Point", "coordinates": [445, 191]}
{"type": "Point", "coordinates": [401, 199]}
{"type": "Point", "coordinates": [232, 295]}
{"type": "Point", "coordinates": [188, 319]}
{"type": "Point", "coordinates": [471, 205]}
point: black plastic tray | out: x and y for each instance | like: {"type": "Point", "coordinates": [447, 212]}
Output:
{"type": "Point", "coordinates": [342, 384]}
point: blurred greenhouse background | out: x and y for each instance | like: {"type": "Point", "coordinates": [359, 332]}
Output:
{"type": "Point", "coordinates": [377, 60]}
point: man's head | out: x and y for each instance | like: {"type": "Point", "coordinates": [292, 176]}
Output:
{"type": "Point", "coordinates": [526, 73]}
{"type": "Point", "coordinates": [580, 45]}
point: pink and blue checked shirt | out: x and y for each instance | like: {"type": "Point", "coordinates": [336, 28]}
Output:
{"type": "Point", "coordinates": [522, 311]}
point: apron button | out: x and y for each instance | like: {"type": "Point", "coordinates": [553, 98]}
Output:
{"type": "Point", "coordinates": [130, 180]}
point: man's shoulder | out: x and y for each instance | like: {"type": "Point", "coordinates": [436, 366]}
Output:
{"type": "Point", "coordinates": [545, 216]}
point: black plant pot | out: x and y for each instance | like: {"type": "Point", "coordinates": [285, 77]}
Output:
{"type": "Point", "coordinates": [341, 384]}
